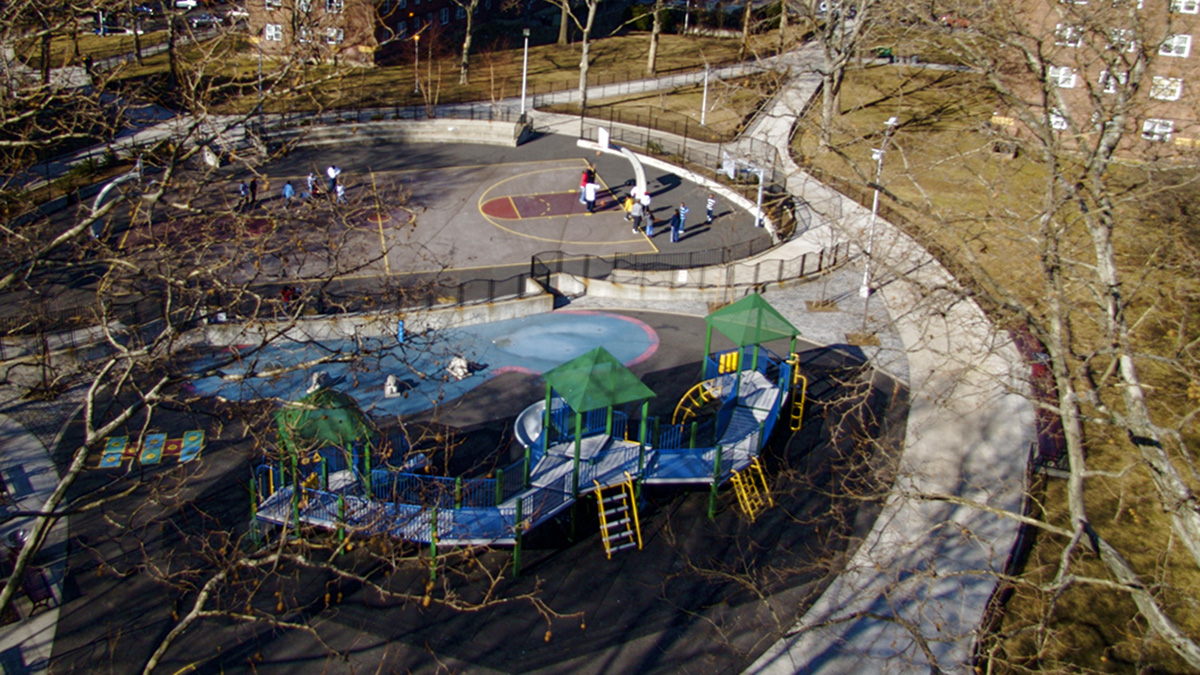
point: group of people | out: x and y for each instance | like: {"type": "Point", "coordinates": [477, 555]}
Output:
{"type": "Point", "coordinates": [638, 211]}
{"type": "Point", "coordinates": [248, 191]}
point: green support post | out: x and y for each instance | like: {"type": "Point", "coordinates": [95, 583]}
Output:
{"type": "Point", "coordinates": [341, 531]}
{"type": "Point", "coordinates": [458, 492]}
{"type": "Point", "coordinates": [517, 529]}
{"type": "Point", "coordinates": [716, 483]}
{"type": "Point", "coordinates": [578, 443]}
{"type": "Point", "coordinates": [692, 436]}
{"type": "Point", "coordinates": [253, 491]}
{"type": "Point", "coordinates": [295, 491]}
{"type": "Point", "coordinates": [608, 421]}
{"type": "Point", "coordinates": [499, 486]}
{"type": "Point", "coordinates": [324, 474]}
{"type": "Point", "coordinates": [433, 536]}
{"type": "Point", "coordinates": [707, 351]}
{"type": "Point", "coordinates": [642, 445]}
{"type": "Point", "coordinates": [367, 460]}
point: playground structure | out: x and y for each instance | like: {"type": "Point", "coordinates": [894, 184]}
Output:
{"type": "Point", "coordinates": [335, 474]}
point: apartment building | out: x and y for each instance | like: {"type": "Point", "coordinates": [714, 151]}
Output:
{"type": "Point", "coordinates": [353, 31]}
{"type": "Point", "coordinates": [1093, 53]}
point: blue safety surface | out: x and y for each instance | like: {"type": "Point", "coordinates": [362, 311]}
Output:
{"type": "Point", "coordinates": [531, 344]}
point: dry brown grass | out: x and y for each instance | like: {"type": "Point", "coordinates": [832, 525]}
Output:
{"type": "Point", "coordinates": [978, 209]}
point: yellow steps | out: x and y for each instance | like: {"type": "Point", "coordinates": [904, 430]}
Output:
{"type": "Point", "coordinates": [619, 525]}
{"type": "Point", "coordinates": [753, 493]}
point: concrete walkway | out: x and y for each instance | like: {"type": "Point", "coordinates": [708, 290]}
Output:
{"type": "Point", "coordinates": [914, 593]}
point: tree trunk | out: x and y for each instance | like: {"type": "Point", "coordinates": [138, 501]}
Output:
{"type": "Point", "coordinates": [655, 30]}
{"type": "Point", "coordinates": [831, 88]}
{"type": "Point", "coordinates": [746, 12]}
{"type": "Point", "coordinates": [783, 25]}
{"type": "Point", "coordinates": [562, 24]}
{"type": "Point", "coordinates": [463, 73]}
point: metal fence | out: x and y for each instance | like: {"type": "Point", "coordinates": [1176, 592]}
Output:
{"type": "Point", "coordinates": [716, 267]}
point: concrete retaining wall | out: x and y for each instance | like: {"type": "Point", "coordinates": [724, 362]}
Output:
{"type": "Point", "coordinates": [374, 325]}
{"type": "Point", "coordinates": [478, 132]}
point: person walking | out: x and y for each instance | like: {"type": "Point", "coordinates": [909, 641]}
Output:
{"type": "Point", "coordinates": [709, 206]}
{"type": "Point", "coordinates": [341, 193]}
{"type": "Point", "coordinates": [288, 193]}
{"type": "Point", "coordinates": [312, 184]}
{"type": "Point", "coordinates": [243, 195]}
{"type": "Point", "coordinates": [647, 214]}
{"type": "Point", "coordinates": [588, 176]}
{"type": "Point", "coordinates": [333, 172]}
{"type": "Point", "coordinates": [683, 211]}
{"type": "Point", "coordinates": [253, 190]}
{"type": "Point", "coordinates": [635, 214]}
{"type": "Point", "coordinates": [589, 193]}
{"type": "Point", "coordinates": [676, 219]}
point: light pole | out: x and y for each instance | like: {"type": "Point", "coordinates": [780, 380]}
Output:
{"type": "Point", "coordinates": [704, 100]}
{"type": "Point", "coordinates": [524, 71]}
{"type": "Point", "coordinates": [417, 63]}
{"type": "Point", "coordinates": [876, 154]}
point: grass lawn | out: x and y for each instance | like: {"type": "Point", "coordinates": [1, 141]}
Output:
{"type": "Point", "coordinates": [494, 75]}
{"type": "Point", "coordinates": [730, 105]}
{"type": "Point", "coordinates": [950, 189]}
{"type": "Point", "coordinates": [63, 48]}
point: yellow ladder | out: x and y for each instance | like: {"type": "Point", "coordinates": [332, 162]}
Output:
{"type": "Point", "coordinates": [750, 485]}
{"type": "Point", "coordinates": [619, 525]}
{"type": "Point", "coordinates": [796, 417]}
{"type": "Point", "coordinates": [695, 398]}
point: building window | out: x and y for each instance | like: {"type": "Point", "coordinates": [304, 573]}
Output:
{"type": "Point", "coordinates": [1121, 39]}
{"type": "Point", "coordinates": [460, 13]}
{"type": "Point", "coordinates": [1166, 88]}
{"type": "Point", "coordinates": [444, 15]}
{"type": "Point", "coordinates": [1185, 6]}
{"type": "Point", "coordinates": [303, 34]}
{"type": "Point", "coordinates": [401, 29]}
{"type": "Point", "coordinates": [304, 6]}
{"type": "Point", "coordinates": [1109, 81]}
{"type": "Point", "coordinates": [1058, 121]}
{"type": "Point", "coordinates": [429, 18]}
{"type": "Point", "coordinates": [1066, 35]}
{"type": "Point", "coordinates": [1176, 45]}
{"type": "Point", "coordinates": [273, 4]}
{"type": "Point", "coordinates": [1062, 77]}
{"type": "Point", "coordinates": [1157, 130]}
{"type": "Point", "coordinates": [273, 32]}
{"type": "Point", "coordinates": [335, 6]}
{"type": "Point", "coordinates": [334, 36]}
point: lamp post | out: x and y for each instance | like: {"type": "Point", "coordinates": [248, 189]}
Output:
{"type": "Point", "coordinates": [876, 154]}
{"type": "Point", "coordinates": [524, 71]}
{"type": "Point", "coordinates": [417, 63]}
{"type": "Point", "coordinates": [704, 99]}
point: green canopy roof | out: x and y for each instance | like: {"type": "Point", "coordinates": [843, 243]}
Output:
{"type": "Point", "coordinates": [596, 380]}
{"type": "Point", "coordinates": [751, 321]}
{"type": "Point", "coordinates": [323, 418]}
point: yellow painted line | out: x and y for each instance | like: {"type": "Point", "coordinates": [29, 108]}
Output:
{"type": "Point", "coordinates": [387, 265]}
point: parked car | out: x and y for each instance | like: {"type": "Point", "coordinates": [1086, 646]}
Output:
{"type": "Point", "coordinates": [186, 4]}
{"type": "Point", "coordinates": [204, 20]}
